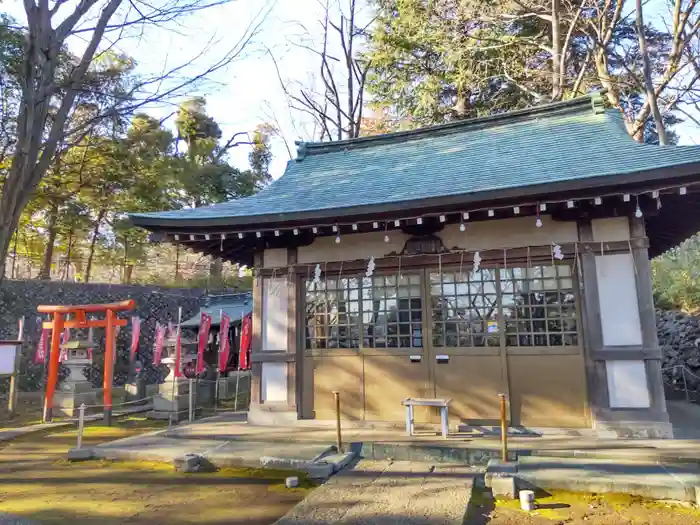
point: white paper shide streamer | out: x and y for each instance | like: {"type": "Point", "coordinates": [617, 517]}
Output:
{"type": "Point", "coordinates": [370, 267]}
{"type": "Point", "coordinates": [556, 252]}
{"type": "Point", "coordinates": [477, 262]}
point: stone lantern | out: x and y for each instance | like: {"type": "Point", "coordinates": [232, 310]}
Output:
{"type": "Point", "coordinates": [76, 389]}
{"type": "Point", "coordinates": [171, 401]}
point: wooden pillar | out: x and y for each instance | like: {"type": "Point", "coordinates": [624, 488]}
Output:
{"type": "Point", "coordinates": [596, 375]}
{"type": "Point", "coordinates": [647, 318]}
{"type": "Point", "coordinates": [110, 338]}
{"type": "Point", "coordinates": [52, 376]}
{"type": "Point", "coordinates": [256, 343]}
{"type": "Point", "coordinates": [293, 370]}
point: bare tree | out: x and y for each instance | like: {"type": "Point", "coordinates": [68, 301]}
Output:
{"type": "Point", "coordinates": [335, 96]}
{"type": "Point", "coordinates": [646, 75]}
{"type": "Point", "coordinates": [47, 98]}
{"type": "Point", "coordinates": [663, 66]}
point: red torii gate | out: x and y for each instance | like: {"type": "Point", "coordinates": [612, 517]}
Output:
{"type": "Point", "coordinates": [79, 320]}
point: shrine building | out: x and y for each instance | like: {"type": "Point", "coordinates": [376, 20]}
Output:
{"type": "Point", "coordinates": [505, 254]}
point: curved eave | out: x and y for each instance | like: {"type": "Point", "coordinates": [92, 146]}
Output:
{"type": "Point", "coordinates": [620, 182]}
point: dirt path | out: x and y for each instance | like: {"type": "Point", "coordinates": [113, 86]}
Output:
{"type": "Point", "coordinates": [36, 483]}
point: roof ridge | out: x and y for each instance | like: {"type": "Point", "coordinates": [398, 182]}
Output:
{"type": "Point", "coordinates": [593, 100]}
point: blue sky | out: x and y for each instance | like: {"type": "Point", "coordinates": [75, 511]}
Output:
{"type": "Point", "coordinates": [247, 92]}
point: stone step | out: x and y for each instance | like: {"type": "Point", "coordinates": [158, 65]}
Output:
{"type": "Point", "coordinates": [642, 454]}
{"type": "Point", "coordinates": [429, 452]}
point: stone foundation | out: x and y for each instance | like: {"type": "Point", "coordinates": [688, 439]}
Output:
{"type": "Point", "coordinates": [71, 395]}
{"type": "Point", "coordinates": [172, 400]}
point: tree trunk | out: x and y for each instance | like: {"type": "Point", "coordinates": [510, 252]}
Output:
{"type": "Point", "coordinates": [93, 241]}
{"type": "Point", "coordinates": [177, 262]}
{"type": "Point", "coordinates": [66, 266]}
{"type": "Point", "coordinates": [215, 270]}
{"type": "Point", "coordinates": [556, 52]}
{"type": "Point", "coordinates": [648, 84]}
{"type": "Point", "coordinates": [37, 136]}
{"type": "Point", "coordinates": [14, 255]}
{"type": "Point", "coordinates": [52, 230]}
{"type": "Point", "coordinates": [125, 277]}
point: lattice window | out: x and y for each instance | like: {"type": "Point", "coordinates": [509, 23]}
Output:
{"type": "Point", "coordinates": [391, 311]}
{"type": "Point", "coordinates": [388, 315]}
{"type": "Point", "coordinates": [464, 308]}
{"type": "Point", "coordinates": [333, 313]}
{"type": "Point", "coordinates": [539, 306]}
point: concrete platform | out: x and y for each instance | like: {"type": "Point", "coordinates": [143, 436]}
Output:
{"type": "Point", "coordinates": [391, 443]}
{"type": "Point", "coordinates": [317, 458]}
{"type": "Point", "coordinates": [654, 480]}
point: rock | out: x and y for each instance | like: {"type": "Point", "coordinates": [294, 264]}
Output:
{"type": "Point", "coordinates": [291, 482]}
{"type": "Point", "coordinates": [679, 340]}
{"type": "Point", "coordinates": [190, 463]}
{"type": "Point", "coordinates": [79, 454]}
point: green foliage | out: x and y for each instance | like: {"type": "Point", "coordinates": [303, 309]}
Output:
{"type": "Point", "coordinates": [438, 61]}
{"type": "Point", "coordinates": [676, 276]}
{"type": "Point", "coordinates": [79, 212]}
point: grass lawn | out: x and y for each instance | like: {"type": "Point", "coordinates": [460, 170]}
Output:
{"type": "Point", "coordinates": [37, 483]}
{"type": "Point", "coordinates": [571, 508]}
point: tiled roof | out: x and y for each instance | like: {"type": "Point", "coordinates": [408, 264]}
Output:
{"type": "Point", "coordinates": [235, 306]}
{"type": "Point", "coordinates": [568, 141]}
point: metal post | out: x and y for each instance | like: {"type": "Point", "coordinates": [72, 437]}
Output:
{"type": "Point", "coordinates": [504, 428]}
{"type": "Point", "coordinates": [218, 362]}
{"type": "Point", "coordinates": [685, 385]}
{"type": "Point", "coordinates": [81, 424]}
{"type": "Point", "coordinates": [235, 398]}
{"type": "Point", "coordinates": [14, 379]}
{"type": "Point", "coordinates": [338, 437]}
{"type": "Point", "coordinates": [216, 392]}
{"type": "Point", "coordinates": [191, 401]}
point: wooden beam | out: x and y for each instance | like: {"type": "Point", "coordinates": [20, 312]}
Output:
{"type": "Point", "coordinates": [490, 258]}
{"type": "Point", "coordinates": [596, 374]}
{"type": "Point", "coordinates": [92, 323]}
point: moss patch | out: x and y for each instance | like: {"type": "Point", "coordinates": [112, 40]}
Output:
{"type": "Point", "coordinates": [574, 508]}
{"type": "Point", "coordinates": [36, 482]}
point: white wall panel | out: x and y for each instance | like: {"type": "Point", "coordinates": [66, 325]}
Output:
{"type": "Point", "coordinates": [619, 307]}
{"type": "Point", "coordinates": [627, 384]}
{"type": "Point", "coordinates": [274, 314]}
{"type": "Point", "coordinates": [274, 382]}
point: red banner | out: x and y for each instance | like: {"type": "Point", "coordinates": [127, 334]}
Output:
{"type": "Point", "coordinates": [41, 347]}
{"type": "Point", "coordinates": [65, 337]}
{"type": "Point", "coordinates": [246, 339]}
{"type": "Point", "coordinates": [224, 343]}
{"type": "Point", "coordinates": [159, 343]}
{"type": "Point", "coordinates": [204, 326]}
{"type": "Point", "coordinates": [135, 335]}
